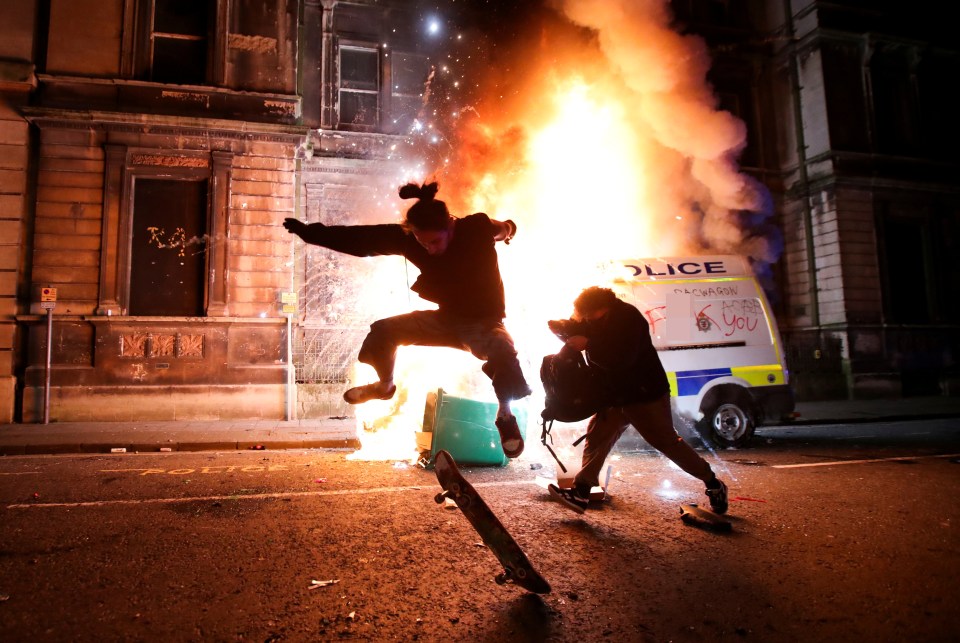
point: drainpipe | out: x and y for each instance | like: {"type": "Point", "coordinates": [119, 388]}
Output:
{"type": "Point", "coordinates": [802, 165]}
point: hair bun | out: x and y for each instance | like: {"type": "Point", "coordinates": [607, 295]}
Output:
{"type": "Point", "coordinates": [424, 192]}
{"type": "Point", "coordinates": [410, 191]}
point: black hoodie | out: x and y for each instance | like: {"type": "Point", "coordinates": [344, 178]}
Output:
{"type": "Point", "coordinates": [619, 345]}
{"type": "Point", "coordinates": [463, 281]}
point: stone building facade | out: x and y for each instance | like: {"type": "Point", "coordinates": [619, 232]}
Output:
{"type": "Point", "coordinates": [871, 201]}
{"type": "Point", "coordinates": [159, 164]}
{"type": "Point", "coordinates": [151, 150]}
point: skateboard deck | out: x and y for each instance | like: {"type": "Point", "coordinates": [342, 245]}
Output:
{"type": "Point", "coordinates": [695, 515]}
{"type": "Point", "coordinates": [516, 566]}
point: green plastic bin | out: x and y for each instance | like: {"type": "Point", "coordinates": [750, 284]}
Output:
{"type": "Point", "coordinates": [466, 429]}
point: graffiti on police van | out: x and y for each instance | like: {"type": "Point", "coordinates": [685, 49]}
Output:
{"type": "Point", "coordinates": [735, 315]}
{"type": "Point", "coordinates": [741, 314]}
{"type": "Point", "coordinates": [654, 315]}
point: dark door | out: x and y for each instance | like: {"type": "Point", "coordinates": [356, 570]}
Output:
{"type": "Point", "coordinates": [168, 252]}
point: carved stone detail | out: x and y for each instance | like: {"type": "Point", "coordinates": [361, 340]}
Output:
{"type": "Point", "coordinates": [190, 346]}
{"type": "Point", "coordinates": [162, 345]}
{"type": "Point", "coordinates": [133, 345]}
{"type": "Point", "coordinates": [154, 345]}
{"type": "Point", "coordinates": [169, 161]}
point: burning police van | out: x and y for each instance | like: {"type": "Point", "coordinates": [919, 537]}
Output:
{"type": "Point", "coordinates": [717, 339]}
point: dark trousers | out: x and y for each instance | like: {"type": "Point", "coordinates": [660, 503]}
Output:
{"type": "Point", "coordinates": [654, 421]}
{"type": "Point", "coordinates": [486, 339]}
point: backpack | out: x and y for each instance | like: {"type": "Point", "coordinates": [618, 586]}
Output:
{"type": "Point", "coordinates": [572, 387]}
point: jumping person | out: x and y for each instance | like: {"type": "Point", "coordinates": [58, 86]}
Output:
{"type": "Point", "coordinates": [460, 273]}
{"type": "Point", "coordinates": [616, 338]}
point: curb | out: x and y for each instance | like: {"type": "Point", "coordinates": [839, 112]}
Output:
{"type": "Point", "coordinates": [112, 448]}
{"type": "Point", "coordinates": [862, 419]}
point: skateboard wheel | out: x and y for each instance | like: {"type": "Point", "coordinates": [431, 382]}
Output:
{"type": "Point", "coordinates": [500, 579]}
{"type": "Point", "coordinates": [439, 498]}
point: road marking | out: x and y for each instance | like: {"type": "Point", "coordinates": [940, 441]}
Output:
{"type": "Point", "coordinates": [251, 496]}
{"type": "Point", "coordinates": [223, 468]}
{"type": "Point", "coordinates": [19, 473]}
{"type": "Point", "coordinates": [837, 462]}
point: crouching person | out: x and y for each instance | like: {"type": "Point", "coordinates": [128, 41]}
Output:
{"type": "Point", "coordinates": [616, 338]}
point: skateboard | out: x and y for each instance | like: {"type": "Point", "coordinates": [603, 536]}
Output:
{"type": "Point", "coordinates": [516, 567]}
{"type": "Point", "coordinates": [695, 515]}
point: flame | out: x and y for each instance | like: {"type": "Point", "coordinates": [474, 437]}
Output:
{"type": "Point", "coordinates": [388, 426]}
{"type": "Point", "coordinates": [609, 147]}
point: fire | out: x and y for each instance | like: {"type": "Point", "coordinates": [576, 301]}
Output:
{"type": "Point", "coordinates": [597, 158]}
{"type": "Point", "coordinates": [576, 202]}
{"type": "Point", "coordinates": [387, 427]}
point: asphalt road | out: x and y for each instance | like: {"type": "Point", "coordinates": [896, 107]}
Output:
{"type": "Point", "coordinates": [838, 532]}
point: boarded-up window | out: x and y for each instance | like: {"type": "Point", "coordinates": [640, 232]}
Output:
{"type": "Point", "coordinates": [168, 251]}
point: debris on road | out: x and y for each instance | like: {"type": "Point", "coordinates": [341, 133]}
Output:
{"type": "Point", "coordinates": [692, 514]}
{"type": "Point", "coordinates": [314, 584]}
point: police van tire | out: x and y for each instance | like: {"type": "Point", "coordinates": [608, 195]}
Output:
{"type": "Point", "coordinates": [728, 420]}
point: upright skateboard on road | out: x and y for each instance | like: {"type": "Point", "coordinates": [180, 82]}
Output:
{"type": "Point", "coordinates": [516, 567]}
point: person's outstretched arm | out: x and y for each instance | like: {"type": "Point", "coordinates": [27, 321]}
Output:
{"type": "Point", "coordinates": [504, 230]}
{"type": "Point", "coordinates": [356, 240]}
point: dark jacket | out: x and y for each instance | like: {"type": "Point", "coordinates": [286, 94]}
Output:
{"type": "Point", "coordinates": [464, 280]}
{"type": "Point", "coordinates": [619, 346]}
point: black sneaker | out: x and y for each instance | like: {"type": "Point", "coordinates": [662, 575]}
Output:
{"type": "Point", "coordinates": [718, 497]}
{"type": "Point", "coordinates": [569, 498]}
{"type": "Point", "coordinates": [510, 438]}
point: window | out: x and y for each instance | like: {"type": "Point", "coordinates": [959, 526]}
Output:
{"type": "Point", "coordinates": [179, 37]}
{"type": "Point", "coordinates": [409, 74]}
{"type": "Point", "coordinates": [941, 129]}
{"type": "Point", "coordinates": [359, 87]}
{"type": "Point", "coordinates": [168, 248]}
{"type": "Point", "coordinates": [846, 104]}
{"type": "Point", "coordinates": [908, 299]}
{"type": "Point", "coordinates": [894, 104]}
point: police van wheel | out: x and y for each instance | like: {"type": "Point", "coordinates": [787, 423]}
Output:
{"type": "Point", "coordinates": [730, 424]}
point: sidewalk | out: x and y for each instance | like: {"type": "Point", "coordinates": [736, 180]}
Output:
{"type": "Point", "coordinates": [190, 435]}
{"type": "Point", "coordinates": [341, 433]}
